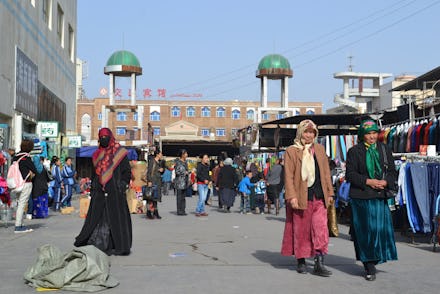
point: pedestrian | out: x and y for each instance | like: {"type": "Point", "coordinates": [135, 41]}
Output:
{"type": "Point", "coordinates": [372, 228]}
{"type": "Point", "coordinates": [108, 222]}
{"type": "Point", "coordinates": [273, 180]}
{"type": "Point", "coordinates": [227, 182]}
{"type": "Point", "coordinates": [203, 181]}
{"type": "Point", "coordinates": [308, 192]}
{"type": "Point", "coordinates": [154, 180]}
{"type": "Point", "coordinates": [68, 173]}
{"type": "Point", "coordinates": [57, 183]}
{"type": "Point", "coordinates": [215, 172]}
{"type": "Point", "coordinates": [181, 182]}
{"type": "Point", "coordinates": [166, 181]}
{"type": "Point", "coordinates": [27, 170]}
{"type": "Point", "coordinates": [244, 188]}
{"type": "Point", "coordinates": [40, 190]}
{"type": "Point", "coordinates": [260, 194]}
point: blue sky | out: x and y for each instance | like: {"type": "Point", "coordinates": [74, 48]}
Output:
{"type": "Point", "coordinates": [213, 47]}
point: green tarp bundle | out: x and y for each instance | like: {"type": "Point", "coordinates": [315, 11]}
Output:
{"type": "Point", "coordinates": [84, 269]}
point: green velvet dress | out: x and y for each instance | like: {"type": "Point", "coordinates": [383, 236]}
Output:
{"type": "Point", "coordinates": [372, 230]}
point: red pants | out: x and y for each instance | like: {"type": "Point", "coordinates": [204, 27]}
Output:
{"type": "Point", "coordinates": [306, 231]}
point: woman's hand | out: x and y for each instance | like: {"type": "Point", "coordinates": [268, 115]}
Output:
{"type": "Point", "coordinates": [331, 200]}
{"type": "Point", "coordinates": [376, 184]}
{"type": "Point", "coordinates": [294, 203]}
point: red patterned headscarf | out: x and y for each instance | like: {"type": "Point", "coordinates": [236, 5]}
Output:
{"type": "Point", "coordinates": [106, 159]}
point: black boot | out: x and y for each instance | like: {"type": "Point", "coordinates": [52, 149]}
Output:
{"type": "Point", "coordinates": [319, 268]}
{"type": "Point", "coordinates": [301, 266]}
{"type": "Point", "coordinates": [156, 214]}
{"type": "Point", "coordinates": [149, 214]}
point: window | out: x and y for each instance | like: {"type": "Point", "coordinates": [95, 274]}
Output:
{"type": "Point", "coordinates": [206, 112]}
{"type": "Point", "coordinates": [234, 132]}
{"type": "Point", "coordinates": [190, 111]}
{"type": "Point", "coordinates": [175, 111]}
{"type": "Point", "coordinates": [220, 132]}
{"type": "Point", "coordinates": [280, 115]}
{"type": "Point", "coordinates": [310, 111]}
{"type": "Point", "coordinates": [250, 114]}
{"type": "Point", "coordinates": [155, 116]}
{"type": "Point", "coordinates": [235, 114]}
{"type": "Point", "coordinates": [120, 131]}
{"type": "Point", "coordinates": [205, 132]}
{"type": "Point", "coordinates": [71, 44]}
{"type": "Point", "coordinates": [265, 116]}
{"type": "Point", "coordinates": [60, 25]}
{"type": "Point", "coordinates": [46, 7]}
{"type": "Point", "coordinates": [99, 115]}
{"type": "Point", "coordinates": [121, 116]}
{"type": "Point", "coordinates": [135, 116]}
{"type": "Point", "coordinates": [156, 131]}
{"type": "Point", "coordinates": [221, 112]}
{"type": "Point", "coordinates": [297, 112]}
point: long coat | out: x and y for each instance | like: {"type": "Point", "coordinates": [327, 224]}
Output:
{"type": "Point", "coordinates": [118, 215]}
{"type": "Point", "coordinates": [294, 186]}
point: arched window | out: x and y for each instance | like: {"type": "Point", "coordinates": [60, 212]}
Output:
{"type": "Point", "coordinates": [175, 111]}
{"type": "Point", "coordinates": [235, 114]}
{"type": "Point", "coordinates": [310, 111]}
{"type": "Point", "coordinates": [156, 131]}
{"type": "Point", "coordinates": [190, 111]}
{"type": "Point", "coordinates": [221, 112]}
{"type": "Point", "coordinates": [206, 111]}
{"type": "Point", "coordinates": [250, 114]}
{"type": "Point", "coordinates": [86, 126]}
{"type": "Point", "coordinates": [155, 116]}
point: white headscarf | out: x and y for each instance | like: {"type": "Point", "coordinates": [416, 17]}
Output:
{"type": "Point", "coordinates": [308, 161]}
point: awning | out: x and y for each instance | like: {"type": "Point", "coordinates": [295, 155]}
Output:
{"type": "Point", "coordinates": [417, 84]}
{"type": "Point", "coordinates": [353, 119]}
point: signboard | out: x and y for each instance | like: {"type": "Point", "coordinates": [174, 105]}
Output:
{"type": "Point", "coordinates": [26, 85]}
{"type": "Point", "coordinates": [48, 129]}
{"type": "Point", "coordinates": [74, 141]}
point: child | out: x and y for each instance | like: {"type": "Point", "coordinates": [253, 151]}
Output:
{"type": "Point", "coordinates": [244, 189]}
{"type": "Point", "coordinates": [260, 191]}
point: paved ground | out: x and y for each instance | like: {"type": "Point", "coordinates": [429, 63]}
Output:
{"type": "Point", "coordinates": [221, 253]}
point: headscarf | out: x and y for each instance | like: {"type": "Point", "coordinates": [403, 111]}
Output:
{"type": "Point", "coordinates": [308, 161]}
{"type": "Point", "coordinates": [228, 161]}
{"type": "Point", "coordinates": [372, 158]}
{"type": "Point", "coordinates": [105, 160]}
{"type": "Point", "coordinates": [37, 162]}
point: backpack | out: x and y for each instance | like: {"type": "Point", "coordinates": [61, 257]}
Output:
{"type": "Point", "coordinates": [343, 193]}
{"type": "Point", "coordinates": [15, 179]}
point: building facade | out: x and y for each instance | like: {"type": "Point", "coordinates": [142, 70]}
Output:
{"type": "Point", "coordinates": [37, 68]}
{"type": "Point", "coordinates": [215, 121]}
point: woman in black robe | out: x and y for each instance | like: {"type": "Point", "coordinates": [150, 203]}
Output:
{"type": "Point", "coordinates": [108, 222]}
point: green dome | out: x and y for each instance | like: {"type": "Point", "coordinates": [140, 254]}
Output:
{"type": "Point", "coordinates": [123, 57]}
{"type": "Point", "coordinates": [274, 61]}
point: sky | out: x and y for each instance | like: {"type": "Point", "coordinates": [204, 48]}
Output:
{"type": "Point", "coordinates": [210, 50]}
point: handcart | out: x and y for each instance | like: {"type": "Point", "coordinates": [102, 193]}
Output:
{"type": "Point", "coordinates": [436, 221]}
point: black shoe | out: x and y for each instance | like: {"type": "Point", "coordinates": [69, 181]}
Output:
{"type": "Point", "coordinates": [370, 277]}
{"type": "Point", "coordinates": [181, 213]}
{"type": "Point", "coordinates": [319, 268]}
{"type": "Point", "coordinates": [156, 214]}
{"type": "Point", "coordinates": [301, 267]}
{"type": "Point", "coordinates": [149, 215]}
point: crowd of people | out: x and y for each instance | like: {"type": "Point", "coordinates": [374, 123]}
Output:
{"type": "Point", "coordinates": [301, 181]}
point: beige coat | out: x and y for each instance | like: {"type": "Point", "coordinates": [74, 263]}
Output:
{"type": "Point", "coordinates": [295, 187]}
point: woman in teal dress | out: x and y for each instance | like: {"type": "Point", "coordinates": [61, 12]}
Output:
{"type": "Point", "coordinates": [369, 177]}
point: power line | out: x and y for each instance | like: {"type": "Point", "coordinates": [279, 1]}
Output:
{"type": "Point", "coordinates": [319, 38]}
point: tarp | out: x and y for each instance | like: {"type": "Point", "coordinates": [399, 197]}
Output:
{"type": "Point", "coordinates": [84, 269]}
{"type": "Point", "coordinates": [87, 151]}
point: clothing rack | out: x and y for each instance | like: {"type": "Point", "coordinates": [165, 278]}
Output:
{"type": "Point", "coordinates": [434, 116]}
{"type": "Point", "coordinates": [416, 156]}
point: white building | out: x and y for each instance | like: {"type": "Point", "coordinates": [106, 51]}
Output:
{"type": "Point", "coordinates": [38, 66]}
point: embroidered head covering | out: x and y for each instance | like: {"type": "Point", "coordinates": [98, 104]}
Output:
{"type": "Point", "coordinates": [308, 161]}
{"type": "Point", "coordinates": [367, 126]}
{"type": "Point", "coordinates": [372, 157]}
{"type": "Point", "coordinates": [106, 159]}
